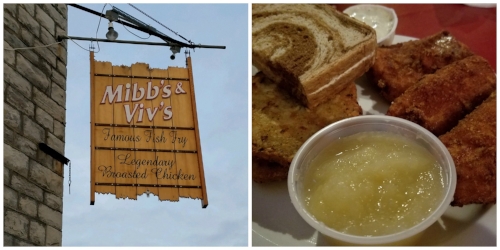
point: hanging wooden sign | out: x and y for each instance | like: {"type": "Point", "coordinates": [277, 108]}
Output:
{"type": "Point", "coordinates": [144, 132]}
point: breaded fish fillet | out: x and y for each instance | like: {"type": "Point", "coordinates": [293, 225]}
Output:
{"type": "Point", "coordinates": [472, 145]}
{"type": "Point", "coordinates": [438, 101]}
{"type": "Point", "coordinates": [399, 66]}
{"type": "Point", "coordinates": [266, 171]}
{"type": "Point", "coordinates": [280, 124]}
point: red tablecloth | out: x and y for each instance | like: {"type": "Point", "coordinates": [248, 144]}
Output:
{"type": "Point", "coordinates": [473, 26]}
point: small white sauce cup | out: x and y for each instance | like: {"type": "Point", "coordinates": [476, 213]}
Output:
{"type": "Point", "coordinates": [314, 145]}
{"type": "Point", "coordinates": [371, 11]}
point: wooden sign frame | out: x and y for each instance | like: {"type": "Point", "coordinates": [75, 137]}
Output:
{"type": "Point", "coordinates": [144, 132]}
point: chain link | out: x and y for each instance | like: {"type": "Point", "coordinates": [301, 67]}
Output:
{"type": "Point", "coordinates": [69, 181]}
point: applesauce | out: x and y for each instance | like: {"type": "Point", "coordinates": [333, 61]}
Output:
{"type": "Point", "coordinates": [373, 184]}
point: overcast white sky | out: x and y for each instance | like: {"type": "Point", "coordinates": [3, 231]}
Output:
{"type": "Point", "coordinates": [221, 85]}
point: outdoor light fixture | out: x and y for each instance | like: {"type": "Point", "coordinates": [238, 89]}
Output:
{"type": "Point", "coordinates": [111, 34]}
{"type": "Point", "coordinates": [119, 16]}
{"type": "Point", "coordinates": [175, 50]}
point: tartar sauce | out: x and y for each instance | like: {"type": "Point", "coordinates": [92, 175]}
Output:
{"type": "Point", "coordinates": [379, 19]}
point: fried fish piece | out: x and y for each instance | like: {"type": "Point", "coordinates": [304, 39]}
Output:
{"type": "Point", "coordinates": [472, 145]}
{"type": "Point", "coordinates": [399, 66]}
{"type": "Point", "coordinates": [280, 124]}
{"type": "Point", "coordinates": [438, 101]}
{"type": "Point", "coordinates": [266, 171]}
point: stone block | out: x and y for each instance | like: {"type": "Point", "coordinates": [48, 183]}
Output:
{"type": "Point", "coordinates": [45, 20]}
{"type": "Point", "coordinates": [55, 143]}
{"type": "Point", "coordinates": [61, 50]}
{"type": "Point", "coordinates": [59, 130]}
{"type": "Point", "coordinates": [33, 130]}
{"type": "Point", "coordinates": [53, 201]}
{"type": "Point", "coordinates": [6, 176]}
{"type": "Point", "coordinates": [9, 136]}
{"type": "Point", "coordinates": [61, 68]}
{"type": "Point", "coordinates": [60, 80]}
{"type": "Point", "coordinates": [8, 240]}
{"type": "Point", "coordinates": [45, 178]}
{"type": "Point", "coordinates": [58, 168]}
{"type": "Point", "coordinates": [61, 32]}
{"type": "Point", "coordinates": [28, 206]}
{"type": "Point", "coordinates": [30, 8]}
{"type": "Point", "coordinates": [49, 105]}
{"type": "Point", "coordinates": [10, 8]}
{"type": "Point", "coordinates": [23, 243]}
{"type": "Point", "coordinates": [44, 119]}
{"type": "Point", "coordinates": [26, 187]}
{"type": "Point", "coordinates": [53, 237]}
{"type": "Point", "coordinates": [15, 160]}
{"type": "Point", "coordinates": [16, 99]}
{"type": "Point", "coordinates": [10, 22]}
{"type": "Point", "coordinates": [29, 21]}
{"type": "Point", "coordinates": [37, 233]}
{"type": "Point", "coordinates": [59, 19]}
{"type": "Point", "coordinates": [28, 38]}
{"type": "Point", "coordinates": [12, 39]}
{"type": "Point", "coordinates": [11, 117]}
{"type": "Point", "coordinates": [16, 80]}
{"type": "Point", "coordinates": [50, 216]}
{"type": "Point", "coordinates": [44, 65]}
{"type": "Point", "coordinates": [63, 9]}
{"type": "Point", "coordinates": [32, 73]}
{"type": "Point", "coordinates": [58, 94]}
{"type": "Point", "coordinates": [16, 224]}
{"type": "Point", "coordinates": [15, 42]}
{"type": "Point", "coordinates": [26, 146]}
{"type": "Point", "coordinates": [47, 37]}
{"type": "Point", "coordinates": [10, 197]}
{"type": "Point", "coordinates": [9, 56]}
{"type": "Point", "coordinates": [48, 53]}
{"type": "Point", "coordinates": [44, 159]}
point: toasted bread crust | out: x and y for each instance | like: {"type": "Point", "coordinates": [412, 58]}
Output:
{"type": "Point", "coordinates": [280, 125]}
{"type": "Point", "coordinates": [312, 51]}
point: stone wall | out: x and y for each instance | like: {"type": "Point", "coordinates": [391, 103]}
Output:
{"type": "Point", "coordinates": [34, 112]}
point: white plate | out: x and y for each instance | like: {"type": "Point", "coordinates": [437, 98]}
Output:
{"type": "Point", "coordinates": [276, 223]}
{"type": "Point", "coordinates": [482, 5]}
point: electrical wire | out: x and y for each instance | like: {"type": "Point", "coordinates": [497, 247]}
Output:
{"type": "Point", "coordinates": [135, 34]}
{"type": "Point", "coordinates": [81, 46]}
{"type": "Point", "coordinates": [102, 11]}
{"type": "Point", "coordinates": [189, 41]}
{"type": "Point", "coordinates": [36, 47]}
{"type": "Point", "coordinates": [44, 46]}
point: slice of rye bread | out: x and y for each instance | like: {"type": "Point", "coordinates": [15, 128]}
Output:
{"type": "Point", "coordinates": [313, 51]}
{"type": "Point", "coordinates": [397, 67]}
{"type": "Point", "coordinates": [472, 145]}
{"type": "Point", "coordinates": [280, 124]}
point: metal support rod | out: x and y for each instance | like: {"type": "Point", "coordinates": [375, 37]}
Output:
{"type": "Point", "coordinates": [60, 38]}
{"type": "Point", "coordinates": [145, 30]}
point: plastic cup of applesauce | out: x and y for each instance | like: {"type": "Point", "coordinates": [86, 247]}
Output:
{"type": "Point", "coordinates": [371, 123]}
